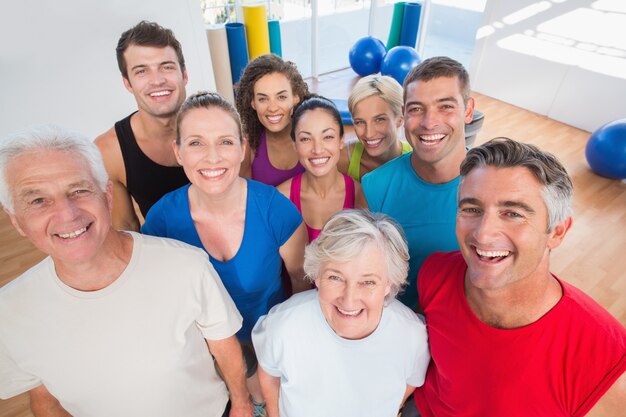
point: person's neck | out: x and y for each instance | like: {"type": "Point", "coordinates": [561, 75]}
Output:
{"type": "Point", "coordinates": [159, 129]}
{"type": "Point", "coordinates": [324, 185]}
{"type": "Point", "coordinates": [282, 136]}
{"type": "Point", "coordinates": [518, 305]}
{"type": "Point", "coordinates": [442, 171]}
{"type": "Point", "coordinates": [221, 205]}
{"type": "Point", "coordinates": [101, 270]}
{"type": "Point", "coordinates": [391, 153]}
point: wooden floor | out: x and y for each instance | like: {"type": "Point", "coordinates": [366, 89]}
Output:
{"type": "Point", "coordinates": [592, 257]}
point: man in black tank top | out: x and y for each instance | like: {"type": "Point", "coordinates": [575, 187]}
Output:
{"type": "Point", "coordinates": [137, 151]}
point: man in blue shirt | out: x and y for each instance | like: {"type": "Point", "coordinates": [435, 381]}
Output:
{"type": "Point", "coordinates": [419, 189]}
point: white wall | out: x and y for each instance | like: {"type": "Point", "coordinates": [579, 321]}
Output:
{"type": "Point", "coordinates": [565, 59]}
{"type": "Point", "coordinates": [57, 59]}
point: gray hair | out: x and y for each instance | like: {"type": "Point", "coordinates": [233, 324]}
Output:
{"type": "Point", "coordinates": [506, 153]}
{"type": "Point", "coordinates": [387, 88]}
{"type": "Point", "coordinates": [48, 137]}
{"type": "Point", "coordinates": [348, 232]}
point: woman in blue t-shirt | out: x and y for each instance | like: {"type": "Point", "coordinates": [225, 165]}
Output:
{"type": "Point", "coordinates": [248, 229]}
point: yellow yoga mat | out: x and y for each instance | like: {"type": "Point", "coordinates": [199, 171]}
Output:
{"type": "Point", "coordinates": [218, 46]}
{"type": "Point", "coordinates": [257, 33]}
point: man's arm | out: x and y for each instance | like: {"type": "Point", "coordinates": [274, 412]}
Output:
{"type": "Point", "coordinates": [227, 353]}
{"type": "Point", "coordinates": [613, 402]}
{"type": "Point", "coordinates": [44, 404]}
{"type": "Point", "coordinates": [270, 385]}
{"type": "Point", "coordinates": [292, 253]}
{"type": "Point", "coordinates": [124, 216]}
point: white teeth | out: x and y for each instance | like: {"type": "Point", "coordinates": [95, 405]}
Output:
{"type": "Point", "coordinates": [349, 313]}
{"type": "Point", "coordinates": [73, 234]}
{"type": "Point", "coordinates": [492, 254]}
{"type": "Point", "coordinates": [432, 137]}
{"type": "Point", "coordinates": [160, 93]}
{"type": "Point", "coordinates": [373, 142]}
{"type": "Point", "coordinates": [212, 173]}
{"type": "Point", "coordinates": [319, 161]}
{"type": "Point", "coordinates": [275, 119]}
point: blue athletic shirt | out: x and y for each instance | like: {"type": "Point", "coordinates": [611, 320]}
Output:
{"type": "Point", "coordinates": [253, 276]}
{"type": "Point", "coordinates": [426, 212]}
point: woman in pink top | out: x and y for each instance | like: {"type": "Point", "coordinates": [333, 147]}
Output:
{"type": "Point", "coordinates": [321, 190]}
{"type": "Point", "coordinates": [267, 92]}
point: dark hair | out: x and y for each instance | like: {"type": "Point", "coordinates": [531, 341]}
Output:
{"type": "Point", "coordinates": [147, 33]}
{"type": "Point", "coordinates": [313, 102]}
{"type": "Point", "coordinates": [206, 100]}
{"type": "Point", "coordinates": [257, 68]}
{"type": "Point", "coordinates": [439, 66]}
{"type": "Point", "coordinates": [507, 153]}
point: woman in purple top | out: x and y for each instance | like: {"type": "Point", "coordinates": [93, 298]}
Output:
{"type": "Point", "coordinates": [267, 92]}
{"type": "Point", "coordinates": [321, 190]}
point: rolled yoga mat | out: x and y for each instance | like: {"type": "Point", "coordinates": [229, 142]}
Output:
{"type": "Point", "coordinates": [410, 24]}
{"type": "Point", "coordinates": [257, 33]}
{"type": "Point", "coordinates": [218, 46]}
{"type": "Point", "coordinates": [237, 49]}
{"type": "Point", "coordinates": [275, 43]}
{"type": "Point", "coordinates": [396, 25]}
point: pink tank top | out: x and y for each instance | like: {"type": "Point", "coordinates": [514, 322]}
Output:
{"type": "Point", "coordinates": [263, 170]}
{"type": "Point", "coordinates": [294, 196]}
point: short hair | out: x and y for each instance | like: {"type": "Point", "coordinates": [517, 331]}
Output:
{"type": "Point", "coordinates": [147, 33]}
{"type": "Point", "coordinates": [206, 100]}
{"type": "Point", "coordinates": [503, 152]}
{"type": "Point", "coordinates": [348, 232]}
{"type": "Point", "coordinates": [311, 103]}
{"type": "Point", "coordinates": [436, 67]}
{"type": "Point", "coordinates": [383, 86]}
{"type": "Point", "coordinates": [52, 138]}
{"type": "Point", "coordinates": [244, 94]}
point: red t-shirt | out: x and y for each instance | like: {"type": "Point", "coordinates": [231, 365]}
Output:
{"type": "Point", "coordinates": [559, 365]}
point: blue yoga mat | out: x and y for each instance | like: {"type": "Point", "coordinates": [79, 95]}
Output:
{"type": "Point", "coordinates": [237, 49]}
{"type": "Point", "coordinates": [410, 24]}
{"type": "Point", "coordinates": [342, 106]}
{"type": "Point", "coordinates": [275, 42]}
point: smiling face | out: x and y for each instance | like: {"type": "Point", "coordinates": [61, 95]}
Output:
{"type": "Point", "coordinates": [376, 125]}
{"type": "Point", "coordinates": [58, 205]}
{"type": "Point", "coordinates": [435, 117]}
{"type": "Point", "coordinates": [318, 142]}
{"type": "Point", "coordinates": [210, 149]}
{"type": "Point", "coordinates": [501, 227]}
{"type": "Point", "coordinates": [274, 101]}
{"type": "Point", "coordinates": [155, 79]}
{"type": "Point", "coordinates": [352, 294]}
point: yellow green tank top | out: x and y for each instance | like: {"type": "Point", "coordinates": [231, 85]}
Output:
{"type": "Point", "coordinates": [354, 169]}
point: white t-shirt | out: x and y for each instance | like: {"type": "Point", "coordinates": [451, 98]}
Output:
{"type": "Point", "coordinates": [134, 348]}
{"type": "Point", "coordinates": [322, 374]}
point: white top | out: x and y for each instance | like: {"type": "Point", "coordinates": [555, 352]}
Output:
{"type": "Point", "coordinates": [134, 348]}
{"type": "Point", "coordinates": [322, 374]}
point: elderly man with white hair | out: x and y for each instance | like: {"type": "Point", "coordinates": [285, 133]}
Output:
{"type": "Point", "coordinates": [347, 348]}
{"type": "Point", "coordinates": [110, 323]}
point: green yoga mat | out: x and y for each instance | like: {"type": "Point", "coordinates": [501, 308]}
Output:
{"type": "Point", "coordinates": [396, 25]}
{"type": "Point", "coordinates": [275, 42]}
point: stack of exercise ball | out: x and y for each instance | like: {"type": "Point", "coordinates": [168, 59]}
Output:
{"type": "Point", "coordinates": [369, 55]}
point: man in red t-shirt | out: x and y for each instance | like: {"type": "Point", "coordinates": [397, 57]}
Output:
{"type": "Point", "coordinates": [507, 337]}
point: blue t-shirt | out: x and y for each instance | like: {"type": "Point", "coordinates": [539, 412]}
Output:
{"type": "Point", "coordinates": [426, 212]}
{"type": "Point", "coordinates": [253, 276]}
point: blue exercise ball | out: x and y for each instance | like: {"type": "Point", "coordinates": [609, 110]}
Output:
{"type": "Point", "coordinates": [606, 150]}
{"type": "Point", "coordinates": [399, 61]}
{"type": "Point", "coordinates": [366, 55]}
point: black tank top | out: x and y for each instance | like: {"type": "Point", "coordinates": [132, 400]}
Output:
{"type": "Point", "coordinates": [146, 180]}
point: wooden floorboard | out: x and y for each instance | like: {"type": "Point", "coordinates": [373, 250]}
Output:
{"type": "Point", "coordinates": [591, 257]}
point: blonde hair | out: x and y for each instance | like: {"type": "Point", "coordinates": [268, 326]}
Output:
{"type": "Point", "coordinates": [381, 86]}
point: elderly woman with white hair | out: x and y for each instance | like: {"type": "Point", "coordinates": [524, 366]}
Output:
{"type": "Point", "coordinates": [348, 347]}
